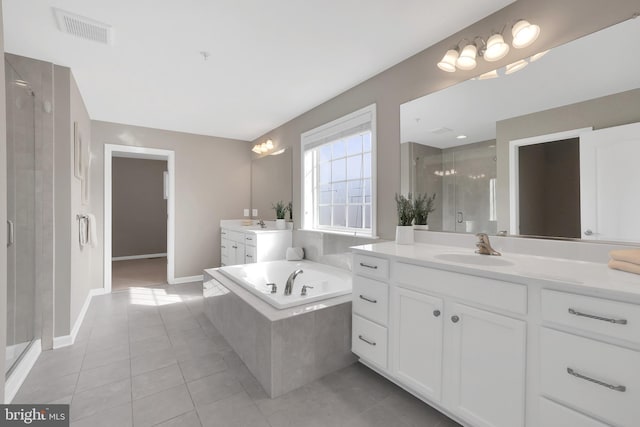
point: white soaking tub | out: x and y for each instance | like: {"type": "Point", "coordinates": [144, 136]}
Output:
{"type": "Point", "coordinates": [325, 281]}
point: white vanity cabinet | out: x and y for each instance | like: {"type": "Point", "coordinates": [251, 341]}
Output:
{"type": "Point", "coordinates": [520, 343]}
{"type": "Point", "coordinates": [243, 246]}
{"type": "Point", "coordinates": [444, 341]}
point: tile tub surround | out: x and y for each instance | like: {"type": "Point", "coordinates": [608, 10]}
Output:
{"type": "Point", "coordinates": [139, 351]}
{"type": "Point", "coordinates": [284, 349]}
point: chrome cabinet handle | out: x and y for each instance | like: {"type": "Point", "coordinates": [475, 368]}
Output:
{"type": "Point", "coordinates": [368, 299]}
{"type": "Point", "coordinates": [619, 388]}
{"type": "Point", "coordinates": [366, 340]}
{"type": "Point", "coordinates": [588, 232]}
{"type": "Point", "coordinates": [375, 267]}
{"type": "Point", "coordinates": [455, 319]}
{"type": "Point", "coordinates": [234, 247]}
{"type": "Point", "coordinates": [10, 233]}
{"type": "Point", "coordinates": [249, 256]}
{"type": "Point", "coordinates": [249, 238]}
{"type": "Point", "coordinates": [223, 247]}
{"type": "Point", "coordinates": [459, 217]}
{"type": "Point", "coordinates": [593, 316]}
{"type": "Point", "coordinates": [436, 313]}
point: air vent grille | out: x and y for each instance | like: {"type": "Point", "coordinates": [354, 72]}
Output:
{"type": "Point", "coordinates": [440, 130]}
{"type": "Point", "coordinates": [82, 27]}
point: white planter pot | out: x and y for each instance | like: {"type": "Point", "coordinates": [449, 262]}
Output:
{"type": "Point", "coordinates": [281, 224]}
{"type": "Point", "coordinates": [421, 226]}
{"type": "Point", "coordinates": [404, 234]}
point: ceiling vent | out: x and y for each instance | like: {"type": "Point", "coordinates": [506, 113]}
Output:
{"type": "Point", "coordinates": [440, 131]}
{"type": "Point", "coordinates": [82, 27]}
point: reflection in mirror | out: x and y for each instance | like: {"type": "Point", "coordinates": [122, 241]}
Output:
{"type": "Point", "coordinates": [573, 91]}
{"type": "Point", "coordinates": [271, 182]}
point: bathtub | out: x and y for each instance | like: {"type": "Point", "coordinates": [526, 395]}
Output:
{"type": "Point", "coordinates": [327, 281]}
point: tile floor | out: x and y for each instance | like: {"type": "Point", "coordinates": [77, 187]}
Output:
{"type": "Point", "coordinates": [149, 356]}
{"type": "Point", "coordinates": [139, 273]}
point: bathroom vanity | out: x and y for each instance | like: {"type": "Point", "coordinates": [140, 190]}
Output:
{"type": "Point", "coordinates": [516, 340]}
{"type": "Point", "coordinates": [248, 244]}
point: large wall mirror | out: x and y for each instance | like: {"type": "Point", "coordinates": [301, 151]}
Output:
{"type": "Point", "coordinates": [552, 150]}
{"type": "Point", "coordinates": [271, 182]}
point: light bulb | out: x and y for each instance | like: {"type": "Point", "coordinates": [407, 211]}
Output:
{"type": "Point", "coordinates": [448, 62]}
{"type": "Point", "coordinates": [496, 48]}
{"type": "Point", "coordinates": [467, 59]}
{"type": "Point", "coordinates": [516, 66]}
{"type": "Point", "coordinates": [524, 34]}
{"type": "Point", "coordinates": [538, 55]}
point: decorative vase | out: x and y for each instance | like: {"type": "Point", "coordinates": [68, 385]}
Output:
{"type": "Point", "coordinates": [281, 224]}
{"type": "Point", "coordinates": [404, 234]}
{"type": "Point", "coordinates": [421, 226]}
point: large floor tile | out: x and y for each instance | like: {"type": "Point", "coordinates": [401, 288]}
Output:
{"type": "Point", "coordinates": [149, 345]}
{"type": "Point", "coordinates": [117, 416]}
{"type": "Point", "coordinates": [103, 375]}
{"type": "Point", "coordinates": [96, 358]}
{"type": "Point", "coordinates": [46, 388]}
{"type": "Point", "coordinates": [202, 366]}
{"type": "Point", "coordinates": [155, 381]}
{"type": "Point", "coordinates": [97, 399]}
{"type": "Point", "coordinates": [213, 388]}
{"type": "Point", "coordinates": [152, 361]}
{"type": "Point", "coordinates": [162, 406]}
{"type": "Point", "coordinates": [190, 419]}
{"type": "Point", "coordinates": [235, 411]}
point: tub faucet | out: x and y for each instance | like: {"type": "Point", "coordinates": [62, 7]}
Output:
{"type": "Point", "coordinates": [289, 287]}
{"type": "Point", "coordinates": [484, 247]}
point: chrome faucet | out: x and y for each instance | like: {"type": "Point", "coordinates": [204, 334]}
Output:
{"type": "Point", "coordinates": [261, 223]}
{"type": "Point", "coordinates": [289, 286]}
{"type": "Point", "coordinates": [484, 247]}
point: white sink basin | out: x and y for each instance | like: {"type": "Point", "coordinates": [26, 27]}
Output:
{"type": "Point", "coordinates": [475, 259]}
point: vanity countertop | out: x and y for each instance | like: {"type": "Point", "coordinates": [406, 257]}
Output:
{"type": "Point", "coordinates": [596, 278]}
{"type": "Point", "coordinates": [236, 225]}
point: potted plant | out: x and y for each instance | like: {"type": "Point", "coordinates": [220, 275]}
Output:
{"type": "Point", "coordinates": [404, 230]}
{"type": "Point", "coordinates": [423, 205]}
{"type": "Point", "coordinates": [281, 211]}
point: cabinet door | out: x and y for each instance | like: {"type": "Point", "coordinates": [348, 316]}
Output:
{"type": "Point", "coordinates": [238, 252]}
{"type": "Point", "coordinates": [225, 247]}
{"type": "Point", "coordinates": [487, 366]}
{"type": "Point", "coordinates": [417, 341]}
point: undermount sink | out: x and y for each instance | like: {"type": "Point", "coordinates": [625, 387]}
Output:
{"type": "Point", "coordinates": [475, 259]}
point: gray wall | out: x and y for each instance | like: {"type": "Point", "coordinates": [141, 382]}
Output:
{"type": "Point", "coordinates": [417, 76]}
{"type": "Point", "coordinates": [3, 211]}
{"type": "Point", "coordinates": [271, 182]}
{"type": "Point", "coordinates": [139, 215]}
{"type": "Point", "coordinates": [213, 177]}
{"type": "Point", "coordinates": [82, 259]}
{"type": "Point", "coordinates": [613, 110]}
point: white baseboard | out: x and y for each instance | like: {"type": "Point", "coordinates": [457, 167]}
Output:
{"type": "Point", "coordinates": [188, 279]}
{"type": "Point", "coordinates": [19, 374]}
{"type": "Point", "coordinates": [145, 256]}
{"type": "Point", "coordinates": [67, 340]}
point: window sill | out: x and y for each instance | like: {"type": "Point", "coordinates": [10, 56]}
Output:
{"type": "Point", "coordinates": [339, 233]}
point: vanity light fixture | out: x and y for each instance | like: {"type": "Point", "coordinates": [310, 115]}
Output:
{"type": "Point", "coordinates": [516, 66]}
{"type": "Point", "coordinates": [524, 34]}
{"type": "Point", "coordinates": [263, 148]}
{"type": "Point", "coordinates": [464, 55]}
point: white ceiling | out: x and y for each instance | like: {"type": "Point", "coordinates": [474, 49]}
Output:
{"type": "Point", "coordinates": [270, 60]}
{"type": "Point", "coordinates": [597, 65]}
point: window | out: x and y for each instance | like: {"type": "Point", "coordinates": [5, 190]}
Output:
{"type": "Point", "coordinates": [339, 186]}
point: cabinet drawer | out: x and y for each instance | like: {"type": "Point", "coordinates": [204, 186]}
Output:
{"type": "Point", "coordinates": [369, 341]}
{"type": "Point", "coordinates": [555, 415]}
{"type": "Point", "coordinates": [493, 293]}
{"type": "Point", "coordinates": [371, 299]}
{"type": "Point", "coordinates": [250, 239]}
{"type": "Point", "coordinates": [371, 266]}
{"type": "Point", "coordinates": [611, 318]}
{"type": "Point", "coordinates": [249, 254]}
{"type": "Point", "coordinates": [235, 236]}
{"type": "Point", "coordinates": [599, 379]}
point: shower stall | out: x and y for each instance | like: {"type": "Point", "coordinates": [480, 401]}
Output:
{"type": "Point", "coordinates": [21, 251]}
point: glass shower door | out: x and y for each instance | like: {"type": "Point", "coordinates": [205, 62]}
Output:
{"type": "Point", "coordinates": [21, 277]}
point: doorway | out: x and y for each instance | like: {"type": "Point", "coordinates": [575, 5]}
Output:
{"type": "Point", "coordinates": [139, 217]}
